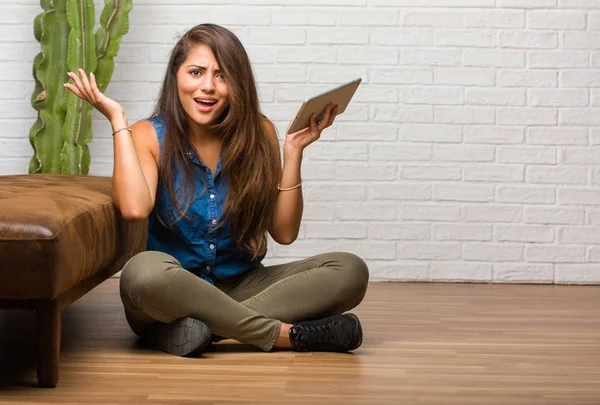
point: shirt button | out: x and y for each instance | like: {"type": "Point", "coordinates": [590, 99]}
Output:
{"type": "Point", "coordinates": [212, 196]}
{"type": "Point", "coordinates": [214, 221]}
{"type": "Point", "coordinates": [212, 246]}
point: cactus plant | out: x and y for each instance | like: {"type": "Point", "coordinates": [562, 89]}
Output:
{"type": "Point", "coordinates": [63, 129]}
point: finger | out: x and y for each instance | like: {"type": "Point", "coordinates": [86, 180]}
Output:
{"type": "Point", "coordinates": [74, 89]}
{"type": "Point", "coordinates": [79, 85]}
{"type": "Point", "coordinates": [95, 91]}
{"type": "Point", "coordinates": [325, 121]}
{"type": "Point", "coordinates": [86, 83]}
{"type": "Point", "coordinates": [334, 111]}
{"type": "Point", "coordinates": [314, 128]}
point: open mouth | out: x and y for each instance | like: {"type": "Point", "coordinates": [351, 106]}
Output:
{"type": "Point", "coordinates": [205, 105]}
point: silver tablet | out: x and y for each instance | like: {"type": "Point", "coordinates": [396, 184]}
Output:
{"type": "Point", "coordinates": [340, 95]}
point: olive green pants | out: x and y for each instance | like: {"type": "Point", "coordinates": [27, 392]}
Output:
{"type": "Point", "coordinates": [248, 308]}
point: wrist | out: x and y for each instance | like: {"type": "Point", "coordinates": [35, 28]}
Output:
{"type": "Point", "coordinates": [118, 120]}
{"type": "Point", "coordinates": [290, 153]}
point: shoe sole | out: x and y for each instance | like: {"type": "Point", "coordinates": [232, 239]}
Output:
{"type": "Point", "coordinates": [359, 332]}
{"type": "Point", "coordinates": [182, 337]}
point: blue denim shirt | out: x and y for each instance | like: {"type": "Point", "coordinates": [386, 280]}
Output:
{"type": "Point", "coordinates": [208, 255]}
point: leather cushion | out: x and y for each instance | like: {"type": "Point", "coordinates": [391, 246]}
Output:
{"type": "Point", "coordinates": [57, 230]}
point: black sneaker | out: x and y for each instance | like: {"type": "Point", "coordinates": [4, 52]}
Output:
{"type": "Point", "coordinates": [182, 337]}
{"type": "Point", "coordinates": [339, 333]}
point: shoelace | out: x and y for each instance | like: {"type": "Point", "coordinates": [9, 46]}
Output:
{"type": "Point", "coordinates": [313, 335]}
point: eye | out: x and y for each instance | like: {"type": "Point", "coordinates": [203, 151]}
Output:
{"type": "Point", "coordinates": [220, 76]}
{"type": "Point", "coordinates": [195, 72]}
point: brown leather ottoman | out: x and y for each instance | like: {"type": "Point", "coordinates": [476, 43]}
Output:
{"type": "Point", "coordinates": [60, 236]}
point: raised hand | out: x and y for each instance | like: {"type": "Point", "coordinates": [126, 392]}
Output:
{"type": "Point", "coordinates": [88, 91]}
{"type": "Point", "coordinates": [301, 139]}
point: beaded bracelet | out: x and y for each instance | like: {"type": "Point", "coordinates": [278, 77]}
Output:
{"type": "Point", "coordinates": [122, 129]}
{"type": "Point", "coordinates": [290, 188]}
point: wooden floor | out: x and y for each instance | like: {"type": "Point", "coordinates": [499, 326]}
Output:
{"type": "Point", "coordinates": [424, 344]}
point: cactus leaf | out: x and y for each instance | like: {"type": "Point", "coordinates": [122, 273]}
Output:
{"type": "Point", "coordinates": [81, 54]}
{"type": "Point", "coordinates": [49, 71]}
{"type": "Point", "coordinates": [114, 23]}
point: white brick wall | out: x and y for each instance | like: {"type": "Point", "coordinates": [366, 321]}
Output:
{"type": "Point", "coordinates": [468, 154]}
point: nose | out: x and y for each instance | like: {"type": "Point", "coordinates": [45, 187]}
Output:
{"type": "Point", "coordinates": [207, 84]}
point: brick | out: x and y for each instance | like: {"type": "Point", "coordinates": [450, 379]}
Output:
{"type": "Point", "coordinates": [368, 249]}
{"type": "Point", "coordinates": [464, 115]}
{"type": "Point", "coordinates": [367, 132]}
{"type": "Point", "coordinates": [579, 235]}
{"type": "Point", "coordinates": [401, 231]}
{"type": "Point", "coordinates": [410, 114]}
{"type": "Point", "coordinates": [578, 196]}
{"type": "Point", "coordinates": [434, 19]}
{"type": "Point", "coordinates": [460, 272]}
{"type": "Point", "coordinates": [428, 250]}
{"type": "Point", "coordinates": [526, 3]}
{"type": "Point", "coordinates": [430, 57]}
{"type": "Point", "coordinates": [463, 153]}
{"type": "Point", "coordinates": [334, 192]}
{"type": "Point", "coordinates": [557, 136]}
{"type": "Point", "coordinates": [302, 17]}
{"type": "Point", "coordinates": [317, 170]}
{"type": "Point", "coordinates": [475, 38]}
{"type": "Point", "coordinates": [580, 78]}
{"type": "Point", "coordinates": [494, 58]}
{"type": "Point", "coordinates": [437, 212]}
{"type": "Point", "coordinates": [495, 173]}
{"type": "Point", "coordinates": [526, 194]}
{"type": "Point", "coordinates": [496, 96]}
{"type": "Point", "coordinates": [558, 59]}
{"type": "Point", "coordinates": [492, 252]}
{"type": "Point", "coordinates": [401, 76]}
{"type": "Point", "coordinates": [366, 211]}
{"type": "Point", "coordinates": [523, 273]}
{"type": "Point", "coordinates": [557, 175]}
{"type": "Point", "coordinates": [399, 152]}
{"type": "Point", "coordinates": [361, 171]}
{"type": "Point", "coordinates": [464, 76]}
{"type": "Point", "coordinates": [579, 116]}
{"type": "Point", "coordinates": [492, 135]}
{"type": "Point", "coordinates": [304, 54]}
{"type": "Point", "coordinates": [431, 172]}
{"type": "Point", "coordinates": [556, 19]}
{"type": "Point", "coordinates": [367, 17]}
{"type": "Point", "coordinates": [344, 36]}
{"type": "Point", "coordinates": [577, 273]}
{"type": "Point", "coordinates": [526, 116]}
{"type": "Point", "coordinates": [458, 192]}
{"type": "Point", "coordinates": [527, 154]}
{"type": "Point", "coordinates": [524, 233]}
{"type": "Point", "coordinates": [558, 97]}
{"type": "Point", "coordinates": [555, 254]}
{"type": "Point", "coordinates": [336, 230]}
{"type": "Point", "coordinates": [399, 191]}
{"type": "Point", "coordinates": [556, 216]}
{"type": "Point", "coordinates": [462, 232]}
{"type": "Point", "coordinates": [371, 55]}
{"type": "Point", "coordinates": [491, 213]}
{"type": "Point", "coordinates": [527, 78]}
{"type": "Point", "coordinates": [496, 18]}
{"type": "Point", "coordinates": [430, 133]}
{"type": "Point", "coordinates": [401, 36]}
{"type": "Point", "coordinates": [528, 39]}
{"type": "Point", "coordinates": [398, 271]}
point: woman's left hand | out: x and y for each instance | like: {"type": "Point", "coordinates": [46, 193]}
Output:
{"type": "Point", "coordinates": [297, 141]}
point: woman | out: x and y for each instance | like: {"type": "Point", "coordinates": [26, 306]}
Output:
{"type": "Point", "coordinates": [205, 170]}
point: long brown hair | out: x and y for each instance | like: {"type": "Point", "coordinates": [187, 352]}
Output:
{"type": "Point", "coordinates": [250, 160]}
